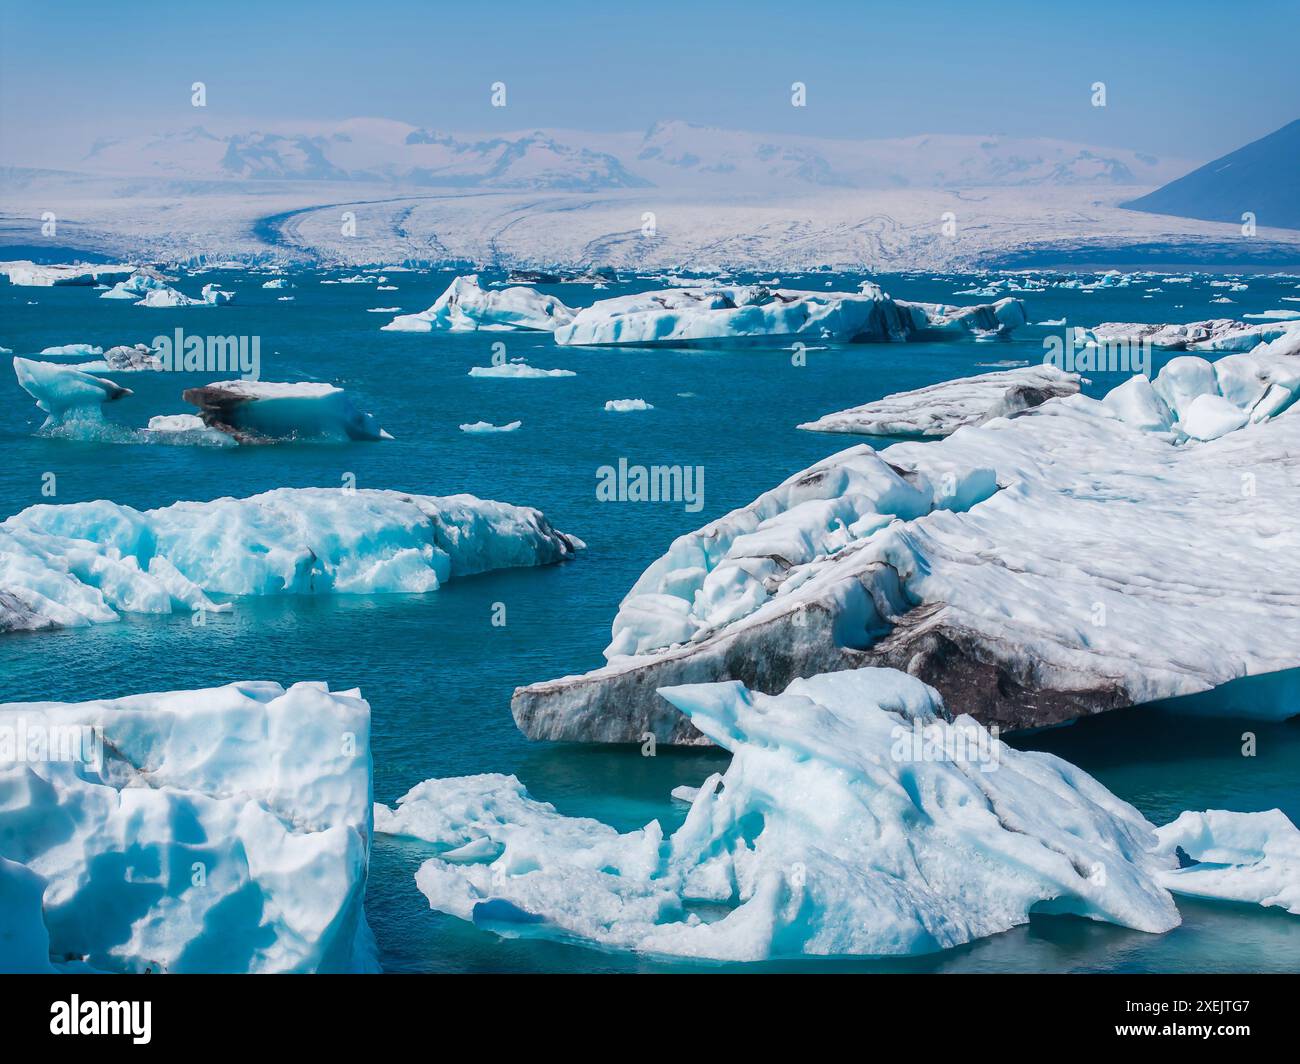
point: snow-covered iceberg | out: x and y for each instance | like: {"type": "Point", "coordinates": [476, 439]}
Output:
{"type": "Point", "coordinates": [1083, 556]}
{"type": "Point", "coordinates": [30, 275]}
{"type": "Point", "coordinates": [136, 287]}
{"type": "Point", "coordinates": [223, 830]}
{"type": "Point", "coordinates": [264, 411]}
{"type": "Point", "coordinates": [65, 393]}
{"type": "Point", "coordinates": [86, 563]}
{"type": "Point", "coordinates": [1215, 334]}
{"type": "Point", "coordinates": [758, 313]}
{"type": "Point", "coordinates": [855, 818]}
{"type": "Point", "coordinates": [941, 409]}
{"type": "Point", "coordinates": [1246, 857]}
{"type": "Point", "coordinates": [466, 307]}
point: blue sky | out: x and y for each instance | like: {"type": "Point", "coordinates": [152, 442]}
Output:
{"type": "Point", "coordinates": [1189, 78]}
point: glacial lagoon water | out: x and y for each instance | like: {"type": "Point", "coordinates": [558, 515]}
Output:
{"type": "Point", "coordinates": [439, 674]}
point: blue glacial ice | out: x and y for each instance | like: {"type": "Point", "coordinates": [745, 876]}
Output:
{"type": "Point", "coordinates": [87, 563]}
{"type": "Point", "coordinates": [65, 393]}
{"type": "Point", "coordinates": [1082, 556]}
{"type": "Point", "coordinates": [266, 411]}
{"type": "Point", "coordinates": [467, 307]}
{"type": "Point", "coordinates": [222, 830]}
{"type": "Point", "coordinates": [857, 817]}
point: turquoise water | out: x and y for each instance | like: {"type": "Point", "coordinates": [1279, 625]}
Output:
{"type": "Point", "coordinates": [438, 675]}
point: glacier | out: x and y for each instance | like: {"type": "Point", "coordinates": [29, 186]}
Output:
{"type": "Point", "coordinates": [265, 411]}
{"type": "Point", "coordinates": [854, 819]}
{"type": "Point", "coordinates": [754, 313]}
{"type": "Point", "coordinates": [941, 409]}
{"type": "Point", "coordinates": [219, 830]}
{"type": "Point", "coordinates": [86, 563]}
{"type": "Point", "coordinates": [1242, 857]}
{"type": "Point", "coordinates": [1083, 556]}
{"type": "Point", "coordinates": [467, 307]}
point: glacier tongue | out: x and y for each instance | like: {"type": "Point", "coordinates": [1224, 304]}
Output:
{"type": "Point", "coordinates": [855, 818]}
{"type": "Point", "coordinates": [941, 409]}
{"type": "Point", "coordinates": [219, 830]}
{"type": "Point", "coordinates": [1083, 556]}
{"type": "Point", "coordinates": [84, 563]}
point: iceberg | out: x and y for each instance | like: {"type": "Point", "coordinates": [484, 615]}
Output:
{"type": "Point", "coordinates": [941, 409]}
{"type": "Point", "coordinates": [1244, 857]}
{"type": "Point", "coordinates": [87, 563]}
{"type": "Point", "coordinates": [185, 429]}
{"type": "Point", "coordinates": [481, 427]}
{"type": "Point", "coordinates": [758, 313]}
{"type": "Point", "coordinates": [64, 393]}
{"type": "Point", "coordinates": [624, 406]}
{"type": "Point", "coordinates": [518, 371]}
{"type": "Point", "coordinates": [1086, 555]}
{"type": "Point", "coordinates": [221, 830]}
{"type": "Point", "coordinates": [466, 307]}
{"type": "Point", "coordinates": [217, 297]}
{"type": "Point", "coordinates": [136, 287]}
{"type": "Point", "coordinates": [855, 818]}
{"type": "Point", "coordinates": [1215, 334]}
{"type": "Point", "coordinates": [28, 274]}
{"type": "Point", "coordinates": [264, 411]}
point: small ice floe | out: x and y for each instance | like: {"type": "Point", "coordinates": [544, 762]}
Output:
{"type": "Point", "coordinates": [1243, 857]}
{"type": "Point", "coordinates": [518, 371]}
{"type": "Point", "coordinates": [479, 427]}
{"type": "Point", "coordinates": [623, 406]}
{"type": "Point", "coordinates": [383, 310]}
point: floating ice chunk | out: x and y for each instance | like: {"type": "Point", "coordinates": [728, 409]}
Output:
{"type": "Point", "coordinates": [28, 274]}
{"type": "Point", "coordinates": [217, 297]}
{"type": "Point", "coordinates": [854, 819]}
{"type": "Point", "coordinates": [1274, 315]}
{"type": "Point", "coordinates": [1216, 334]}
{"type": "Point", "coordinates": [276, 282]}
{"type": "Point", "coordinates": [753, 313]}
{"type": "Point", "coordinates": [225, 830]}
{"type": "Point", "coordinates": [67, 350]}
{"type": "Point", "coordinates": [262, 411]}
{"type": "Point", "coordinates": [1247, 857]}
{"type": "Point", "coordinates": [518, 371]}
{"type": "Point", "coordinates": [64, 393]}
{"type": "Point", "coordinates": [487, 426]}
{"type": "Point", "coordinates": [383, 310]}
{"type": "Point", "coordinates": [136, 287]}
{"type": "Point", "coordinates": [961, 561]}
{"type": "Point", "coordinates": [85, 563]}
{"type": "Point", "coordinates": [623, 406]}
{"type": "Point", "coordinates": [941, 409]}
{"type": "Point", "coordinates": [465, 307]}
{"type": "Point", "coordinates": [186, 429]}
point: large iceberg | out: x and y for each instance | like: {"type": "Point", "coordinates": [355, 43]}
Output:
{"type": "Point", "coordinates": [1083, 556]}
{"type": "Point", "coordinates": [855, 818]}
{"type": "Point", "coordinates": [86, 563]}
{"type": "Point", "coordinates": [28, 274]}
{"type": "Point", "coordinates": [466, 307]}
{"type": "Point", "coordinates": [224, 830]}
{"type": "Point", "coordinates": [1244, 857]}
{"type": "Point", "coordinates": [941, 409]}
{"type": "Point", "coordinates": [263, 411]}
{"type": "Point", "coordinates": [1215, 334]}
{"type": "Point", "coordinates": [758, 313]}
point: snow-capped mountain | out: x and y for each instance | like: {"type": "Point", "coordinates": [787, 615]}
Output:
{"type": "Point", "coordinates": [670, 155]}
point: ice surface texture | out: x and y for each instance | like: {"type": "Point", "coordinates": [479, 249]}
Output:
{"type": "Point", "coordinates": [1083, 556]}
{"type": "Point", "coordinates": [219, 830]}
{"type": "Point", "coordinates": [828, 834]}
{"type": "Point", "coordinates": [85, 563]}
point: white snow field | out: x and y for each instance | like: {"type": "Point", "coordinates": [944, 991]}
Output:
{"type": "Point", "coordinates": [466, 307]}
{"type": "Point", "coordinates": [87, 563]}
{"type": "Point", "coordinates": [1081, 556]}
{"type": "Point", "coordinates": [941, 409]}
{"type": "Point", "coordinates": [1245, 857]}
{"type": "Point", "coordinates": [265, 411]}
{"type": "Point", "coordinates": [220, 830]}
{"type": "Point", "coordinates": [832, 832]}
{"type": "Point", "coordinates": [710, 313]}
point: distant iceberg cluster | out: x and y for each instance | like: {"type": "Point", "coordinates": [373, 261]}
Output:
{"type": "Point", "coordinates": [87, 563]}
